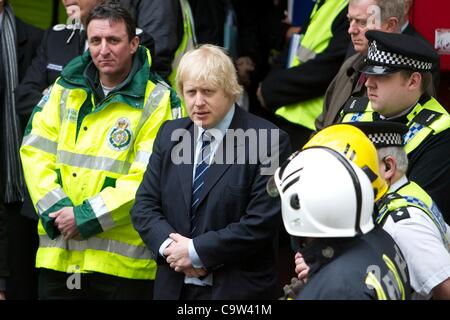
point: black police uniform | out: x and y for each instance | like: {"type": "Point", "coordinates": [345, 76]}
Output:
{"type": "Point", "coordinates": [354, 269]}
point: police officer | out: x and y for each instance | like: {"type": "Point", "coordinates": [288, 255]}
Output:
{"type": "Point", "coordinates": [398, 69]}
{"type": "Point", "coordinates": [347, 260]}
{"type": "Point", "coordinates": [409, 214]}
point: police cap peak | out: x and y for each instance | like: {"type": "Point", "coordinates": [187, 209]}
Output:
{"type": "Point", "coordinates": [383, 133]}
{"type": "Point", "coordinates": [391, 52]}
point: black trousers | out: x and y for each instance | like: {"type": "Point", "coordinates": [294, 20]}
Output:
{"type": "Point", "coordinates": [55, 285]}
{"type": "Point", "coordinates": [22, 246]}
{"type": "Point", "coordinates": [193, 292]}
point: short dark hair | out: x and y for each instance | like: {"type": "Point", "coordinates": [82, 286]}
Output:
{"type": "Point", "coordinates": [426, 81]}
{"type": "Point", "coordinates": [112, 11]}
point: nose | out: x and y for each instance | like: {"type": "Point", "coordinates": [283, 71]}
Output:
{"type": "Point", "coordinates": [199, 99]}
{"type": "Point", "coordinates": [104, 48]}
{"type": "Point", "coordinates": [370, 81]}
{"type": "Point", "coordinates": [353, 28]}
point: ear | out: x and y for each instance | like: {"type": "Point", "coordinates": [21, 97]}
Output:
{"type": "Point", "coordinates": [388, 167]}
{"type": "Point", "coordinates": [391, 25]}
{"type": "Point", "coordinates": [415, 81]}
{"type": "Point", "coordinates": [134, 44]}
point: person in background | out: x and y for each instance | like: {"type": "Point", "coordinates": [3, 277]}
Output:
{"type": "Point", "coordinates": [294, 92]}
{"type": "Point", "coordinates": [18, 44]}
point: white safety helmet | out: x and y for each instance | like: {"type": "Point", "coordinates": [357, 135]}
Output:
{"type": "Point", "coordinates": [324, 195]}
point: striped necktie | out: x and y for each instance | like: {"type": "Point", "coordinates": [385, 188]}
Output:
{"type": "Point", "coordinates": [199, 177]}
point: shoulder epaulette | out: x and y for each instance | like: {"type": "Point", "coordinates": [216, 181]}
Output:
{"type": "Point", "coordinates": [356, 104]}
{"type": "Point", "coordinates": [426, 117]}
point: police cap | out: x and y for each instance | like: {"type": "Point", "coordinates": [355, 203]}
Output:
{"type": "Point", "coordinates": [383, 133]}
{"type": "Point", "coordinates": [392, 52]}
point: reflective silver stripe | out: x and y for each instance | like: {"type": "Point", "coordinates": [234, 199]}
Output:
{"type": "Point", "coordinates": [62, 104]}
{"type": "Point", "coordinates": [152, 103]}
{"type": "Point", "coordinates": [92, 162]}
{"type": "Point", "coordinates": [305, 54]}
{"type": "Point", "coordinates": [50, 199]}
{"type": "Point", "coordinates": [94, 243]}
{"type": "Point", "coordinates": [191, 40]}
{"type": "Point", "coordinates": [143, 157]}
{"type": "Point", "coordinates": [40, 143]}
{"type": "Point", "coordinates": [101, 212]}
{"type": "Point", "coordinates": [177, 113]}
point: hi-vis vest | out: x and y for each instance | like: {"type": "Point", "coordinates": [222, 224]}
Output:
{"type": "Point", "coordinates": [95, 168]}
{"type": "Point", "coordinates": [423, 120]}
{"type": "Point", "coordinates": [411, 195]}
{"type": "Point", "coordinates": [316, 40]}
{"type": "Point", "coordinates": [188, 41]}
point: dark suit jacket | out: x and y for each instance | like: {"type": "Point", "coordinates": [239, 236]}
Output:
{"type": "Point", "coordinates": [236, 235]}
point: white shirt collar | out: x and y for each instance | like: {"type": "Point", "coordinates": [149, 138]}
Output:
{"type": "Point", "coordinates": [404, 26]}
{"type": "Point", "coordinates": [398, 184]}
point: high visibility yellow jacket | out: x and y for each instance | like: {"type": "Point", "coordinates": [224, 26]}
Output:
{"type": "Point", "coordinates": [411, 195]}
{"type": "Point", "coordinates": [429, 118]}
{"type": "Point", "coordinates": [84, 151]}
{"type": "Point", "coordinates": [314, 41]}
{"type": "Point", "coordinates": [188, 41]}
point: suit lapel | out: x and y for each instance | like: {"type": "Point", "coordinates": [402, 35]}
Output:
{"type": "Point", "coordinates": [184, 170]}
{"type": "Point", "coordinates": [217, 170]}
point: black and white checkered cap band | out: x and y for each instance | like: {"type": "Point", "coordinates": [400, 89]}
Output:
{"type": "Point", "coordinates": [395, 59]}
{"type": "Point", "coordinates": [386, 139]}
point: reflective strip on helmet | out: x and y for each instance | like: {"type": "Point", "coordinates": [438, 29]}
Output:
{"type": "Point", "coordinates": [101, 212]}
{"type": "Point", "coordinates": [371, 280]}
{"type": "Point", "coordinates": [62, 104]}
{"type": "Point", "coordinates": [40, 143]}
{"type": "Point", "coordinates": [50, 199]}
{"type": "Point", "coordinates": [93, 162]}
{"type": "Point", "coordinates": [143, 157]}
{"type": "Point", "coordinates": [95, 243]}
{"type": "Point", "coordinates": [392, 267]}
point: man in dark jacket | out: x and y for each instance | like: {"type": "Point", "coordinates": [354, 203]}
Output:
{"type": "Point", "coordinates": [17, 47]}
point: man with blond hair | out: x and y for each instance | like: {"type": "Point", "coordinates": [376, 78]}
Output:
{"type": "Point", "coordinates": [202, 206]}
